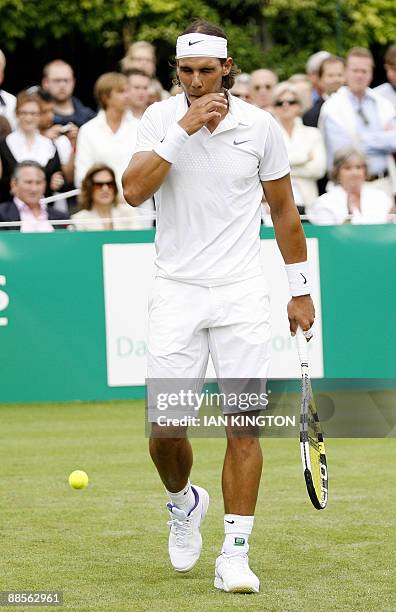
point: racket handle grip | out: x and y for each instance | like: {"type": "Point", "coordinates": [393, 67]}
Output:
{"type": "Point", "coordinates": [302, 346]}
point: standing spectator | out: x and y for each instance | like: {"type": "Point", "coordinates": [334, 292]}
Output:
{"type": "Point", "coordinates": [140, 55]}
{"type": "Point", "coordinates": [59, 81]}
{"type": "Point", "coordinates": [7, 100]}
{"type": "Point", "coordinates": [63, 136]}
{"type": "Point", "coordinates": [110, 137]}
{"type": "Point", "coordinates": [139, 86]}
{"type": "Point", "coordinates": [28, 186]}
{"type": "Point", "coordinates": [388, 90]}
{"type": "Point", "coordinates": [331, 77]}
{"type": "Point", "coordinates": [357, 116]}
{"type": "Point", "coordinates": [262, 83]}
{"type": "Point", "coordinates": [312, 69]}
{"type": "Point", "coordinates": [304, 145]}
{"type": "Point", "coordinates": [98, 200]}
{"type": "Point", "coordinates": [351, 197]}
{"type": "Point", "coordinates": [241, 87]}
{"type": "Point", "coordinates": [304, 89]}
{"type": "Point", "coordinates": [26, 142]}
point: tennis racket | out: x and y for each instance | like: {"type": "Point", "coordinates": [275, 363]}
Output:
{"type": "Point", "coordinates": [312, 446]}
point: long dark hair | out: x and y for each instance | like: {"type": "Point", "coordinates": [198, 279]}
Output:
{"type": "Point", "coordinates": [205, 27]}
{"type": "Point", "coordinates": [85, 199]}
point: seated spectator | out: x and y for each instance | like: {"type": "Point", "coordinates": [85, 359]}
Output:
{"type": "Point", "coordinates": [303, 86]}
{"type": "Point", "coordinates": [388, 90]}
{"type": "Point", "coordinates": [351, 199]}
{"type": "Point", "coordinates": [262, 83]}
{"type": "Point", "coordinates": [110, 137]}
{"type": "Point", "coordinates": [241, 87]}
{"type": "Point", "coordinates": [58, 80]}
{"type": "Point", "coordinates": [28, 186]}
{"type": "Point", "coordinates": [140, 55]}
{"type": "Point", "coordinates": [98, 200]}
{"type": "Point", "coordinates": [312, 70]}
{"type": "Point", "coordinates": [139, 86]}
{"type": "Point", "coordinates": [357, 116]}
{"type": "Point", "coordinates": [304, 144]}
{"type": "Point", "coordinates": [26, 142]}
{"type": "Point", "coordinates": [7, 100]}
{"type": "Point", "coordinates": [331, 75]}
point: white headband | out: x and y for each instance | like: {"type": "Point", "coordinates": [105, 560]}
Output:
{"type": "Point", "coordinates": [201, 45]}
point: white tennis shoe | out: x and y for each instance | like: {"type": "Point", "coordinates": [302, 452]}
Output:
{"type": "Point", "coordinates": [185, 540]}
{"type": "Point", "coordinates": [233, 574]}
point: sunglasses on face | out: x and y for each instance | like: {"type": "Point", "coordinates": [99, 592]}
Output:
{"type": "Point", "coordinates": [101, 184]}
{"type": "Point", "coordinates": [286, 103]}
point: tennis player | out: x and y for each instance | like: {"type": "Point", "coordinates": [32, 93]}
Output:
{"type": "Point", "coordinates": [207, 156]}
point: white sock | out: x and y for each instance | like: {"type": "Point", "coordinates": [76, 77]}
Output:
{"type": "Point", "coordinates": [237, 529]}
{"type": "Point", "coordinates": [184, 499]}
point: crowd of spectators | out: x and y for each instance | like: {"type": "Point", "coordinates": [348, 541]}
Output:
{"type": "Point", "coordinates": [340, 135]}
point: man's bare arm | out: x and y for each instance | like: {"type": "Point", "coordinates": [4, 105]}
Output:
{"type": "Point", "coordinates": [291, 241]}
{"type": "Point", "coordinates": [147, 171]}
{"type": "Point", "coordinates": [144, 176]}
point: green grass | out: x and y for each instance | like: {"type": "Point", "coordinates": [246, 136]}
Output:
{"type": "Point", "coordinates": [106, 547]}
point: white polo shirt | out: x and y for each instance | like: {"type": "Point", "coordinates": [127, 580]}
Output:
{"type": "Point", "coordinates": [209, 206]}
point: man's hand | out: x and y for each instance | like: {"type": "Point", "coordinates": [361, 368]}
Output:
{"type": "Point", "coordinates": [301, 313]}
{"type": "Point", "coordinates": [202, 111]}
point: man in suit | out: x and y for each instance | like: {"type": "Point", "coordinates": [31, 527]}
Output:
{"type": "Point", "coordinates": [28, 187]}
{"type": "Point", "coordinates": [331, 74]}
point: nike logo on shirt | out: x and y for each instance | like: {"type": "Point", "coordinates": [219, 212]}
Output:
{"type": "Point", "coordinates": [190, 42]}
{"type": "Point", "coordinates": [240, 141]}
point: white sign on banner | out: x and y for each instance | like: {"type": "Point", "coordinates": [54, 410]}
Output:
{"type": "Point", "coordinates": [128, 276]}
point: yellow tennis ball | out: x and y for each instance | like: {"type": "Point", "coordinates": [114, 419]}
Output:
{"type": "Point", "coordinates": [78, 479]}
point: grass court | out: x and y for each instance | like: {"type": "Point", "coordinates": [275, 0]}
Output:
{"type": "Point", "coordinates": [106, 547]}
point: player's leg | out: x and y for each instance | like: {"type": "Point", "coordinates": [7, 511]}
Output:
{"type": "Point", "coordinates": [172, 456]}
{"type": "Point", "coordinates": [240, 350]}
{"type": "Point", "coordinates": [177, 359]}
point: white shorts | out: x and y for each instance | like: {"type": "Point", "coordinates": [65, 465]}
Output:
{"type": "Point", "coordinates": [187, 322]}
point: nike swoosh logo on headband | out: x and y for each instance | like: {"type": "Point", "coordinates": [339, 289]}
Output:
{"type": "Point", "coordinates": [190, 42]}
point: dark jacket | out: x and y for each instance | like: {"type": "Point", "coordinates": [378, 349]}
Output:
{"type": "Point", "coordinates": [9, 212]}
{"type": "Point", "coordinates": [81, 114]}
{"type": "Point", "coordinates": [311, 116]}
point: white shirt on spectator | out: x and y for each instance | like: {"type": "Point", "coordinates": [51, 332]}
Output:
{"type": "Point", "coordinates": [97, 143]}
{"type": "Point", "coordinates": [41, 150]}
{"type": "Point", "coordinates": [8, 108]}
{"type": "Point", "coordinates": [123, 217]}
{"type": "Point", "coordinates": [332, 207]}
{"type": "Point", "coordinates": [387, 91]}
{"type": "Point", "coordinates": [64, 147]}
{"type": "Point", "coordinates": [307, 157]}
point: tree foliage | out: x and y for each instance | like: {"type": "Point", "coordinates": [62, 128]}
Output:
{"type": "Point", "coordinates": [276, 33]}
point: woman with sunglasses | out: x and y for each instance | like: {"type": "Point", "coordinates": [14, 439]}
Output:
{"type": "Point", "coordinates": [98, 203]}
{"type": "Point", "coordinates": [304, 144]}
{"type": "Point", "coordinates": [26, 143]}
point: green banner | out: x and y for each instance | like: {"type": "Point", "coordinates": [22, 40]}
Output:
{"type": "Point", "coordinates": [52, 318]}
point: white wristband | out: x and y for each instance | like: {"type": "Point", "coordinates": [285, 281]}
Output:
{"type": "Point", "coordinates": [171, 145]}
{"type": "Point", "coordinates": [299, 278]}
